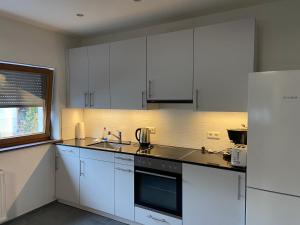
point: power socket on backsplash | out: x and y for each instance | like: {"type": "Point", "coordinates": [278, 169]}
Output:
{"type": "Point", "coordinates": [152, 130]}
{"type": "Point", "coordinates": [213, 135]}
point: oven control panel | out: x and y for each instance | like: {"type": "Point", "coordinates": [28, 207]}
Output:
{"type": "Point", "coordinates": [158, 164]}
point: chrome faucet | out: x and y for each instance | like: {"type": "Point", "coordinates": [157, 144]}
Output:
{"type": "Point", "coordinates": [119, 136]}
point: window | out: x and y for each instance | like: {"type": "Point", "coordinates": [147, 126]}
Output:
{"type": "Point", "coordinates": [25, 104]}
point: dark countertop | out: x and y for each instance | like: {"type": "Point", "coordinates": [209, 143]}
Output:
{"type": "Point", "coordinates": [185, 155]}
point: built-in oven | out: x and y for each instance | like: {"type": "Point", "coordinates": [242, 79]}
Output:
{"type": "Point", "coordinates": [158, 185]}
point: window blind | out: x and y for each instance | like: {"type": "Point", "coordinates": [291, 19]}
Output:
{"type": "Point", "coordinates": [21, 89]}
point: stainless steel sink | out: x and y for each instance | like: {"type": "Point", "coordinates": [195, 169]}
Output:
{"type": "Point", "coordinates": [109, 145]}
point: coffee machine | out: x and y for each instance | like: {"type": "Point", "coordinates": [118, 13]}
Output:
{"type": "Point", "coordinates": [239, 150]}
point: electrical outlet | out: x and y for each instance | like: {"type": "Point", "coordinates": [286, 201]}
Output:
{"type": "Point", "coordinates": [213, 135]}
{"type": "Point", "coordinates": [152, 130]}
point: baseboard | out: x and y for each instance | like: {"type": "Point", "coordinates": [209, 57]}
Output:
{"type": "Point", "coordinates": [113, 217]}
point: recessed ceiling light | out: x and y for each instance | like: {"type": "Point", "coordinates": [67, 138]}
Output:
{"type": "Point", "coordinates": [80, 14]}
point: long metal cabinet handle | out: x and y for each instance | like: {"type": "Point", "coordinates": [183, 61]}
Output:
{"type": "Point", "coordinates": [239, 187]}
{"type": "Point", "coordinates": [122, 158]}
{"type": "Point", "coordinates": [196, 99]}
{"type": "Point", "coordinates": [142, 99]}
{"type": "Point", "coordinates": [149, 89]}
{"type": "Point", "coordinates": [124, 170]}
{"type": "Point", "coordinates": [155, 174]}
{"type": "Point", "coordinates": [92, 100]}
{"type": "Point", "coordinates": [156, 219]}
{"type": "Point", "coordinates": [56, 162]}
{"type": "Point", "coordinates": [80, 168]}
{"type": "Point", "coordinates": [86, 100]}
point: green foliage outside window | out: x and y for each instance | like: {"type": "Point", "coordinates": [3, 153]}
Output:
{"type": "Point", "coordinates": [27, 120]}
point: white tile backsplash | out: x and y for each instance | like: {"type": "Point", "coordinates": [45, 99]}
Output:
{"type": "Point", "coordinates": [70, 117]}
{"type": "Point", "coordinates": [178, 127]}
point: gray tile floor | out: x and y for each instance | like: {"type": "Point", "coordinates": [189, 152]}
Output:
{"type": "Point", "coordinates": [60, 214]}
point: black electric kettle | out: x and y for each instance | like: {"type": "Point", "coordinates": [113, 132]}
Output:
{"type": "Point", "coordinates": [143, 136]}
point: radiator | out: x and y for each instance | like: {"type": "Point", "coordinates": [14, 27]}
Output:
{"type": "Point", "coordinates": [2, 197]}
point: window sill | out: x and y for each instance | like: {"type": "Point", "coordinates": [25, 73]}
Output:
{"type": "Point", "coordinates": [17, 147]}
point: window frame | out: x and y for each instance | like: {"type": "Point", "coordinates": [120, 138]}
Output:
{"type": "Point", "coordinates": [48, 72]}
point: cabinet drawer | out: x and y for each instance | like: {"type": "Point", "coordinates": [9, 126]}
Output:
{"type": "Point", "coordinates": [67, 150]}
{"type": "Point", "coordinates": [148, 217]}
{"type": "Point", "coordinates": [124, 168]}
{"type": "Point", "coordinates": [97, 155]}
{"type": "Point", "coordinates": [124, 159]}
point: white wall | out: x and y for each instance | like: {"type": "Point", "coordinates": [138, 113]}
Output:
{"type": "Point", "coordinates": [30, 172]}
{"type": "Point", "coordinates": [278, 32]}
{"type": "Point", "coordinates": [29, 178]}
{"type": "Point", "coordinates": [23, 43]}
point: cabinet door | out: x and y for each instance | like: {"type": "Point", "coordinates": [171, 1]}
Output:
{"type": "Point", "coordinates": [224, 55]}
{"type": "Point", "coordinates": [67, 178]}
{"type": "Point", "coordinates": [212, 196]}
{"type": "Point", "coordinates": [128, 74]}
{"type": "Point", "coordinates": [170, 66]}
{"type": "Point", "coordinates": [97, 185]}
{"type": "Point", "coordinates": [124, 191]}
{"type": "Point", "coordinates": [99, 76]}
{"type": "Point", "coordinates": [78, 78]}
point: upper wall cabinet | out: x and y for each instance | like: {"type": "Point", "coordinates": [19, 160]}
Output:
{"type": "Point", "coordinates": [128, 74]}
{"type": "Point", "coordinates": [170, 67]}
{"type": "Point", "coordinates": [78, 77]}
{"type": "Point", "coordinates": [224, 55]}
{"type": "Point", "coordinates": [89, 77]}
{"type": "Point", "coordinates": [99, 76]}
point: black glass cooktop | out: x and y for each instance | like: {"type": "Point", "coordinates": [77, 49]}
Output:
{"type": "Point", "coordinates": [165, 151]}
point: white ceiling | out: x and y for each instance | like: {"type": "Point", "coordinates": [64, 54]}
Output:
{"type": "Point", "coordinates": [102, 16]}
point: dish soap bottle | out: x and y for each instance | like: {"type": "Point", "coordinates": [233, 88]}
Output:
{"type": "Point", "coordinates": [104, 135]}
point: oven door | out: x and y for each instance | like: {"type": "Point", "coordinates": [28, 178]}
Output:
{"type": "Point", "coordinates": [158, 190]}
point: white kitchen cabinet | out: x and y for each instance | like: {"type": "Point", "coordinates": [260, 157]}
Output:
{"type": "Point", "coordinates": [78, 77]}
{"type": "Point", "coordinates": [224, 55]}
{"type": "Point", "coordinates": [98, 56]}
{"type": "Point", "coordinates": [97, 184]}
{"type": "Point", "coordinates": [128, 74]}
{"type": "Point", "coordinates": [67, 174]}
{"type": "Point", "coordinates": [148, 217]}
{"type": "Point", "coordinates": [212, 196]}
{"type": "Point", "coordinates": [267, 208]}
{"type": "Point", "coordinates": [89, 77]}
{"type": "Point", "coordinates": [124, 191]}
{"type": "Point", "coordinates": [170, 66]}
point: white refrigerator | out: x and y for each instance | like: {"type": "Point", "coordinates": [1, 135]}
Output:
{"type": "Point", "coordinates": [273, 161]}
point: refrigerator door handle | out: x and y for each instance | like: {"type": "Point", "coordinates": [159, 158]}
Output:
{"type": "Point", "coordinates": [239, 187]}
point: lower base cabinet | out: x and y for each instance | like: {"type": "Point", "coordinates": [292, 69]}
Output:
{"type": "Point", "coordinates": [97, 185]}
{"type": "Point", "coordinates": [105, 181]}
{"type": "Point", "coordinates": [147, 217]}
{"type": "Point", "coordinates": [212, 196]}
{"type": "Point", "coordinates": [67, 174]}
{"type": "Point", "coordinates": [124, 191]}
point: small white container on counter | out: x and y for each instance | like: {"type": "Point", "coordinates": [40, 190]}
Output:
{"type": "Point", "coordinates": [80, 131]}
